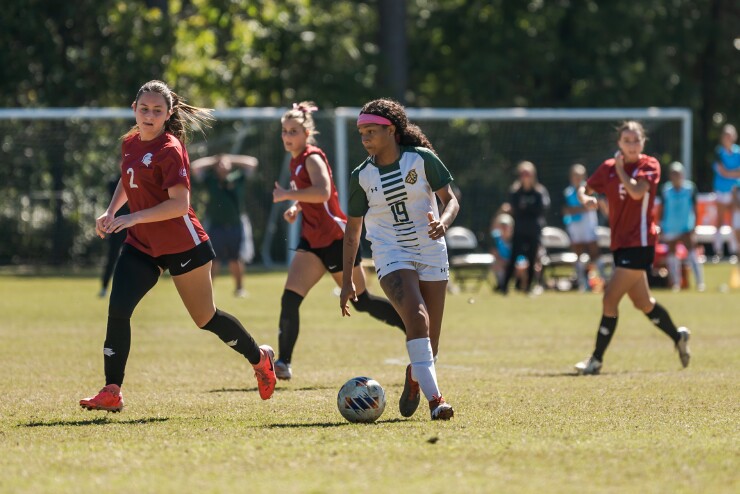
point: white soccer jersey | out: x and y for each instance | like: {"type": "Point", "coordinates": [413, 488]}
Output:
{"type": "Point", "coordinates": [395, 200]}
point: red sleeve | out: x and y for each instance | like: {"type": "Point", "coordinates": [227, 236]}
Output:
{"type": "Point", "coordinates": [174, 170]}
{"type": "Point", "coordinates": [598, 180]}
{"type": "Point", "coordinates": [650, 171]}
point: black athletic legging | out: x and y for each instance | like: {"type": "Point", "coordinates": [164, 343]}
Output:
{"type": "Point", "coordinates": [134, 276]}
{"type": "Point", "coordinates": [522, 246]}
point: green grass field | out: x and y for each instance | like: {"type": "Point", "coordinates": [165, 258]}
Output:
{"type": "Point", "coordinates": [524, 423]}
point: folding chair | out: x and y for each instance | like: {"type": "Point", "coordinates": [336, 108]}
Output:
{"type": "Point", "coordinates": [465, 263]}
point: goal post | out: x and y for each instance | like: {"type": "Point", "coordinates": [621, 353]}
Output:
{"type": "Point", "coordinates": [482, 147]}
{"type": "Point", "coordinates": [57, 161]}
{"type": "Point", "coordinates": [346, 116]}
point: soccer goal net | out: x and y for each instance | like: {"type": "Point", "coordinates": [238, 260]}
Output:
{"type": "Point", "coordinates": [56, 164]}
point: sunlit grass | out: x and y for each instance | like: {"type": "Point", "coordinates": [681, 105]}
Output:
{"type": "Point", "coordinates": [194, 421]}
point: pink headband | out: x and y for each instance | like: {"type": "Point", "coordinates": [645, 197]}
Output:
{"type": "Point", "coordinates": [369, 118]}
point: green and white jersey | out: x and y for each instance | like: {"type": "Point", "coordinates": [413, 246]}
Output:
{"type": "Point", "coordinates": [395, 200]}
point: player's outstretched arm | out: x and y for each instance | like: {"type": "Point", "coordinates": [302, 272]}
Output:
{"type": "Point", "coordinates": [320, 189]}
{"type": "Point", "coordinates": [586, 197]}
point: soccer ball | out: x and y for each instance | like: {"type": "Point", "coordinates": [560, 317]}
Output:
{"type": "Point", "coordinates": [361, 399]}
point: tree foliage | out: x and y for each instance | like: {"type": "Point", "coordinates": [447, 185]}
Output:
{"type": "Point", "coordinates": [461, 53]}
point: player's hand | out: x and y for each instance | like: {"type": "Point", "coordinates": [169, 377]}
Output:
{"type": "Point", "coordinates": [102, 223]}
{"type": "Point", "coordinates": [348, 293]}
{"type": "Point", "coordinates": [619, 159]}
{"type": "Point", "coordinates": [437, 229]}
{"type": "Point", "coordinates": [590, 203]}
{"type": "Point", "coordinates": [280, 194]}
{"type": "Point", "coordinates": [291, 214]}
{"type": "Point", "coordinates": [122, 222]}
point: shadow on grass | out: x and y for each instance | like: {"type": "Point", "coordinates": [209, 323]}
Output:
{"type": "Point", "coordinates": [608, 373]}
{"type": "Point", "coordinates": [95, 421]}
{"type": "Point", "coordinates": [554, 374]}
{"type": "Point", "coordinates": [233, 390]}
{"type": "Point", "coordinates": [327, 425]}
{"type": "Point", "coordinates": [277, 390]}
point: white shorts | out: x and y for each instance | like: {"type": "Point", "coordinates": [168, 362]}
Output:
{"type": "Point", "coordinates": [581, 232]}
{"type": "Point", "coordinates": [425, 271]}
{"type": "Point", "coordinates": [723, 197]}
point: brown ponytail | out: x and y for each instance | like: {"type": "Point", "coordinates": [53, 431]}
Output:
{"type": "Point", "coordinates": [184, 118]}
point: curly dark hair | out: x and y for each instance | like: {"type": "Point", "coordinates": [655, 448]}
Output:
{"type": "Point", "coordinates": [184, 117]}
{"type": "Point", "coordinates": [407, 134]}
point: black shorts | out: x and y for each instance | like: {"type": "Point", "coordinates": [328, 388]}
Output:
{"type": "Point", "coordinates": [227, 241]}
{"type": "Point", "coordinates": [332, 255]}
{"type": "Point", "coordinates": [180, 263]}
{"type": "Point", "coordinates": [640, 258]}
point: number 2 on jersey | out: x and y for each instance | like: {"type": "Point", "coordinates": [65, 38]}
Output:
{"type": "Point", "coordinates": [400, 215]}
{"type": "Point", "coordinates": [131, 183]}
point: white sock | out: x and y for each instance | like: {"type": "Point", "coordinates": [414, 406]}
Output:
{"type": "Point", "coordinates": [674, 269]}
{"type": "Point", "coordinates": [696, 267]}
{"type": "Point", "coordinates": [422, 366]}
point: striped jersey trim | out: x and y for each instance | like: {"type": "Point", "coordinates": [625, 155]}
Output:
{"type": "Point", "coordinates": [339, 221]}
{"type": "Point", "coordinates": [191, 229]}
{"type": "Point", "coordinates": [644, 220]}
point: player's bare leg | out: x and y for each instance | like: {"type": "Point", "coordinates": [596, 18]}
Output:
{"type": "Point", "coordinates": [196, 292]}
{"type": "Point", "coordinates": [403, 289]}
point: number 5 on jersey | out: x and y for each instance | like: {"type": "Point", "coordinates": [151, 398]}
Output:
{"type": "Point", "coordinates": [131, 183]}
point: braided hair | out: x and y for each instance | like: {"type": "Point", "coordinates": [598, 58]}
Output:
{"type": "Point", "coordinates": [184, 117]}
{"type": "Point", "coordinates": [407, 134]}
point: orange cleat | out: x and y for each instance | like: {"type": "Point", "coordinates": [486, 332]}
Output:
{"type": "Point", "coordinates": [265, 372]}
{"type": "Point", "coordinates": [440, 409]}
{"type": "Point", "coordinates": [410, 396]}
{"type": "Point", "coordinates": [109, 399]}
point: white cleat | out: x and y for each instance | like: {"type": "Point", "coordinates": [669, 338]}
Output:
{"type": "Point", "coordinates": [683, 346]}
{"type": "Point", "coordinates": [589, 367]}
{"type": "Point", "coordinates": [282, 370]}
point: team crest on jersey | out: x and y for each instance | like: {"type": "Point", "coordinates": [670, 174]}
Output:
{"type": "Point", "coordinates": [412, 177]}
{"type": "Point", "coordinates": [147, 159]}
{"type": "Point", "coordinates": [183, 172]}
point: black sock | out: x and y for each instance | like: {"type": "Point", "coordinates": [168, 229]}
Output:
{"type": "Point", "coordinates": [115, 349]}
{"type": "Point", "coordinates": [378, 307]}
{"type": "Point", "coordinates": [231, 332]}
{"type": "Point", "coordinates": [606, 330]}
{"type": "Point", "coordinates": [659, 316]}
{"type": "Point", "coordinates": [289, 324]}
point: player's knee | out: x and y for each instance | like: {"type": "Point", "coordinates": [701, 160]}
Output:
{"type": "Point", "coordinates": [290, 301]}
{"type": "Point", "coordinates": [120, 306]}
{"type": "Point", "coordinates": [202, 320]}
{"type": "Point", "coordinates": [417, 324]}
{"type": "Point", "coordinates": [645, 306]}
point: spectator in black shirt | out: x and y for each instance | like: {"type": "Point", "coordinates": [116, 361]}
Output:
{"type": "Point", "coordinates": [527, 204]}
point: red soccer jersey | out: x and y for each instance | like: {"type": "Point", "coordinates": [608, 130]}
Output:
{"type": "Point", "coordinates": [631, 221]}
{"type": "Point", "coordinates": [324, 222]}
{"type": "Point", "coordinates": [148, 169]}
